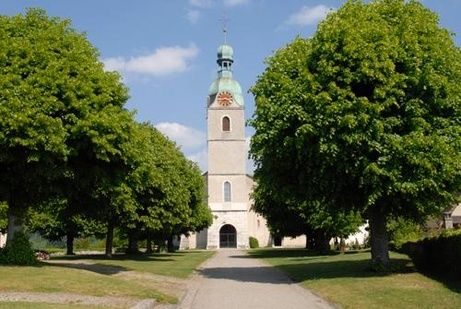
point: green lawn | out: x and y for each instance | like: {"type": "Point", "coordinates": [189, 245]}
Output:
{"type": "Point", "coordinates": [180, 264]}
{"type": "Point", "coordinates": [346, 280]}
{"type": "Point", "coordinates": [25, 305]}
{"type": "Point", "coordinates": [97, 275]}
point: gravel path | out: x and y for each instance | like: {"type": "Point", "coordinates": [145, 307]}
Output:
{"type": "Point", "coordinates": [70, 298]}
{"type": "Point", "coordinates": [231, 279]}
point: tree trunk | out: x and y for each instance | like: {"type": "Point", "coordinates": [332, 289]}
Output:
{"type": "Point", "coordinates": [132, 243]}
{"type": "Point", "coordinates": [110, 238]}
{"type": "Point", "coordinates": [307, 241]}
{"type": "Point", "coordinates": [159, 244]}
{"type": "Point", "coordinates": [15, 224]}
{"type": "Point", "coordinates": [342, 245]}
{"type": "Point", "coordinates": [379, 240]}
{"type": "Point", "coordinates": [70, 243]}
{"type": "Point", "coordinates": [170, 244]}
{"type": "Point", "coordinates": [319, 241]}
{"type": "Point", "coordinates": [324, 245]}
{"type": "Point", "coordinates": [149, 244]}
{"type": "Point", "coordinates": [322, 241]}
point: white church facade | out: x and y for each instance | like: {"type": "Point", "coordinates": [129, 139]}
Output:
{"type": "Point", "coordinates": [227, 183]}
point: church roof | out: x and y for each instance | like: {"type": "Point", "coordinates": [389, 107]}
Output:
{"type": "Point", "coordinates": [225, 80]}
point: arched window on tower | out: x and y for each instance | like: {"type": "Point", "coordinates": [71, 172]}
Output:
{"type": "Point", "coordinates": [227, 191]}
{"type": "Point", "coordinates": [226, 124]}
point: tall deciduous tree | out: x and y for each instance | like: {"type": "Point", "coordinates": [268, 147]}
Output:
{"type": "Point", "coordinates": [166, 189]}
{"type": "Point", "coordinates": [365, 114]}
{"type": "Point", "coordinates": [60, 112]}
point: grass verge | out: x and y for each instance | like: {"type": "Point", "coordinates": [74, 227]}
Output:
{"type": "Point", "coordinates": [97, 276]}
{"type": "Point", "coordinates": [26, 305]}
{"type": "Point", "coordinates": [345, 279]}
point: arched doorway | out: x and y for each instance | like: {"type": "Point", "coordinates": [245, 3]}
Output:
{"type": "Point", "coordinates": [227, 237]}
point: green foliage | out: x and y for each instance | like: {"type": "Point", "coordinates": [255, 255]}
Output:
{"type": "Point", "coordinates": [167, 190]}
{"type": "Point", "coordinates": [364, 116]}
{"type": "Point", "coordinates": [88, 243]}
{"type": "Point", "coordinates": [54, 221]}
{"type": "Point", "coordinates": [438, 255]}
{"type": "Point", "coordinates": [3, 217]}
{"type": "Point", "coordinates": [402, 231]}
{"type": "Point", "coordinates": [69, 150]}
{"type": "Point", "coordinates": [62, 121]}
{"type": "Point", "coordinates": [19, 252]}
{"type": "Point", "coordinates": [254, 243]}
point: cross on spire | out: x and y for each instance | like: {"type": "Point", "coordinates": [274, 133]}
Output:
{"type": "Point", "coordinates": [224, 21]}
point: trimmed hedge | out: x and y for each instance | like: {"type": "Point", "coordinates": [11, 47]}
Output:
{"type": "Point", "coordinates": [440, 254]}
{"type": "Point", "coordinates": [254, 243]}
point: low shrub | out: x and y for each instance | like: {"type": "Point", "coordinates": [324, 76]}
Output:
{"type": "Point", "coordinates": [402, 231]}
{"type": "Point", "coordinates": [437, 254]}
{"type": "Point", "coordinates": [18, 252]}
{"type": "Point", "coordinates": [254, 243]}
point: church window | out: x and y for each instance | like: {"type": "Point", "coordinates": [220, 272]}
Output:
{"type": "Point", "coordinates": [226, 124]}
{"type": "Point", "coordinates": [227, 192]}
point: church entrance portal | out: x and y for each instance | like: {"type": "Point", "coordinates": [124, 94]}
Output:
{"type": "Point", "coordinates": [227, 237]}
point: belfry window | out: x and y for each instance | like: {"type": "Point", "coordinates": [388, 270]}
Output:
{"type": "Point", "coordinates": [226, 124]}
{"type": "Point", "coordinates": [227, 191]}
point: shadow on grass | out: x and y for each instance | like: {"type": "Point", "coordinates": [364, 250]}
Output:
{"type": "Point", "coordinates": [119, 257]}
{"type": "Point", "coordinates": [102, 269]}
{"type": "Point", "coordinates": [342, 269]}
{"type": "Point", "coordinates": [450, 281]}
{"type": "Point", "coordinates": [295, 252]}
{"type": "Point", "coordinates": [351, 265]}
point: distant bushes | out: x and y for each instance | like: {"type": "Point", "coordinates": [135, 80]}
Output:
{"type": "Point", "coordinates": [440, 254]}
{"type": "Point", "coordinates": [254, 243]}
{"type": "Point", "coordinates": [402, 231]}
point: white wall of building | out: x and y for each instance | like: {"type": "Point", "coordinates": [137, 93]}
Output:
{"type": "Point", "coordinates": [2, 240]}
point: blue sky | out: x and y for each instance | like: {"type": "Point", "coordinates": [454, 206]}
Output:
{"type": "Point", "coordinates": [166, 50]}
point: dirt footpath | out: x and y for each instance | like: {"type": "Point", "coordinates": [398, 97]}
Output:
{"type": "Point", "coordinates": [232, 279]}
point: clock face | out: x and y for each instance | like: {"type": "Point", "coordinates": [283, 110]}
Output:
{"type": "Point", "coordinates": [225, 98]}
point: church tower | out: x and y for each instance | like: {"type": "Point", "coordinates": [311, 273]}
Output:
{"type": "Point", "coordinates": [227, 182]}
{"type": "Point", "coordinates": [228, 185]}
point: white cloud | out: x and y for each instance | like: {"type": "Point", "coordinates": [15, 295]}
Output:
{"type": "Point", "coordinates": [193, 16]}
{"type": "Point", "coordinates": [235, 2]}
{"type": "Point", "coordinates": [185, 137]}
{"type": "Point", "coordinates": [309, 15]}
{"type": "Point", "coordinates": [201, 3]}
{"type": "Point", "coordinates": [201, 158]}
{"type": "Point", "coordinates": [163, 61]}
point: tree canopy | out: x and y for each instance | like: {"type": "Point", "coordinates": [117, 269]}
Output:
{"type": "Point", "coordinates": [56, 103]}
{"type": "Point", "coordinates": [71, 153]}
{"type": "Point", "coordinates": [365, 115]}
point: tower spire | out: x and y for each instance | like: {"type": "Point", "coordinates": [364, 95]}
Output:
{"type": "Point", "coordinates": [224, 21]}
